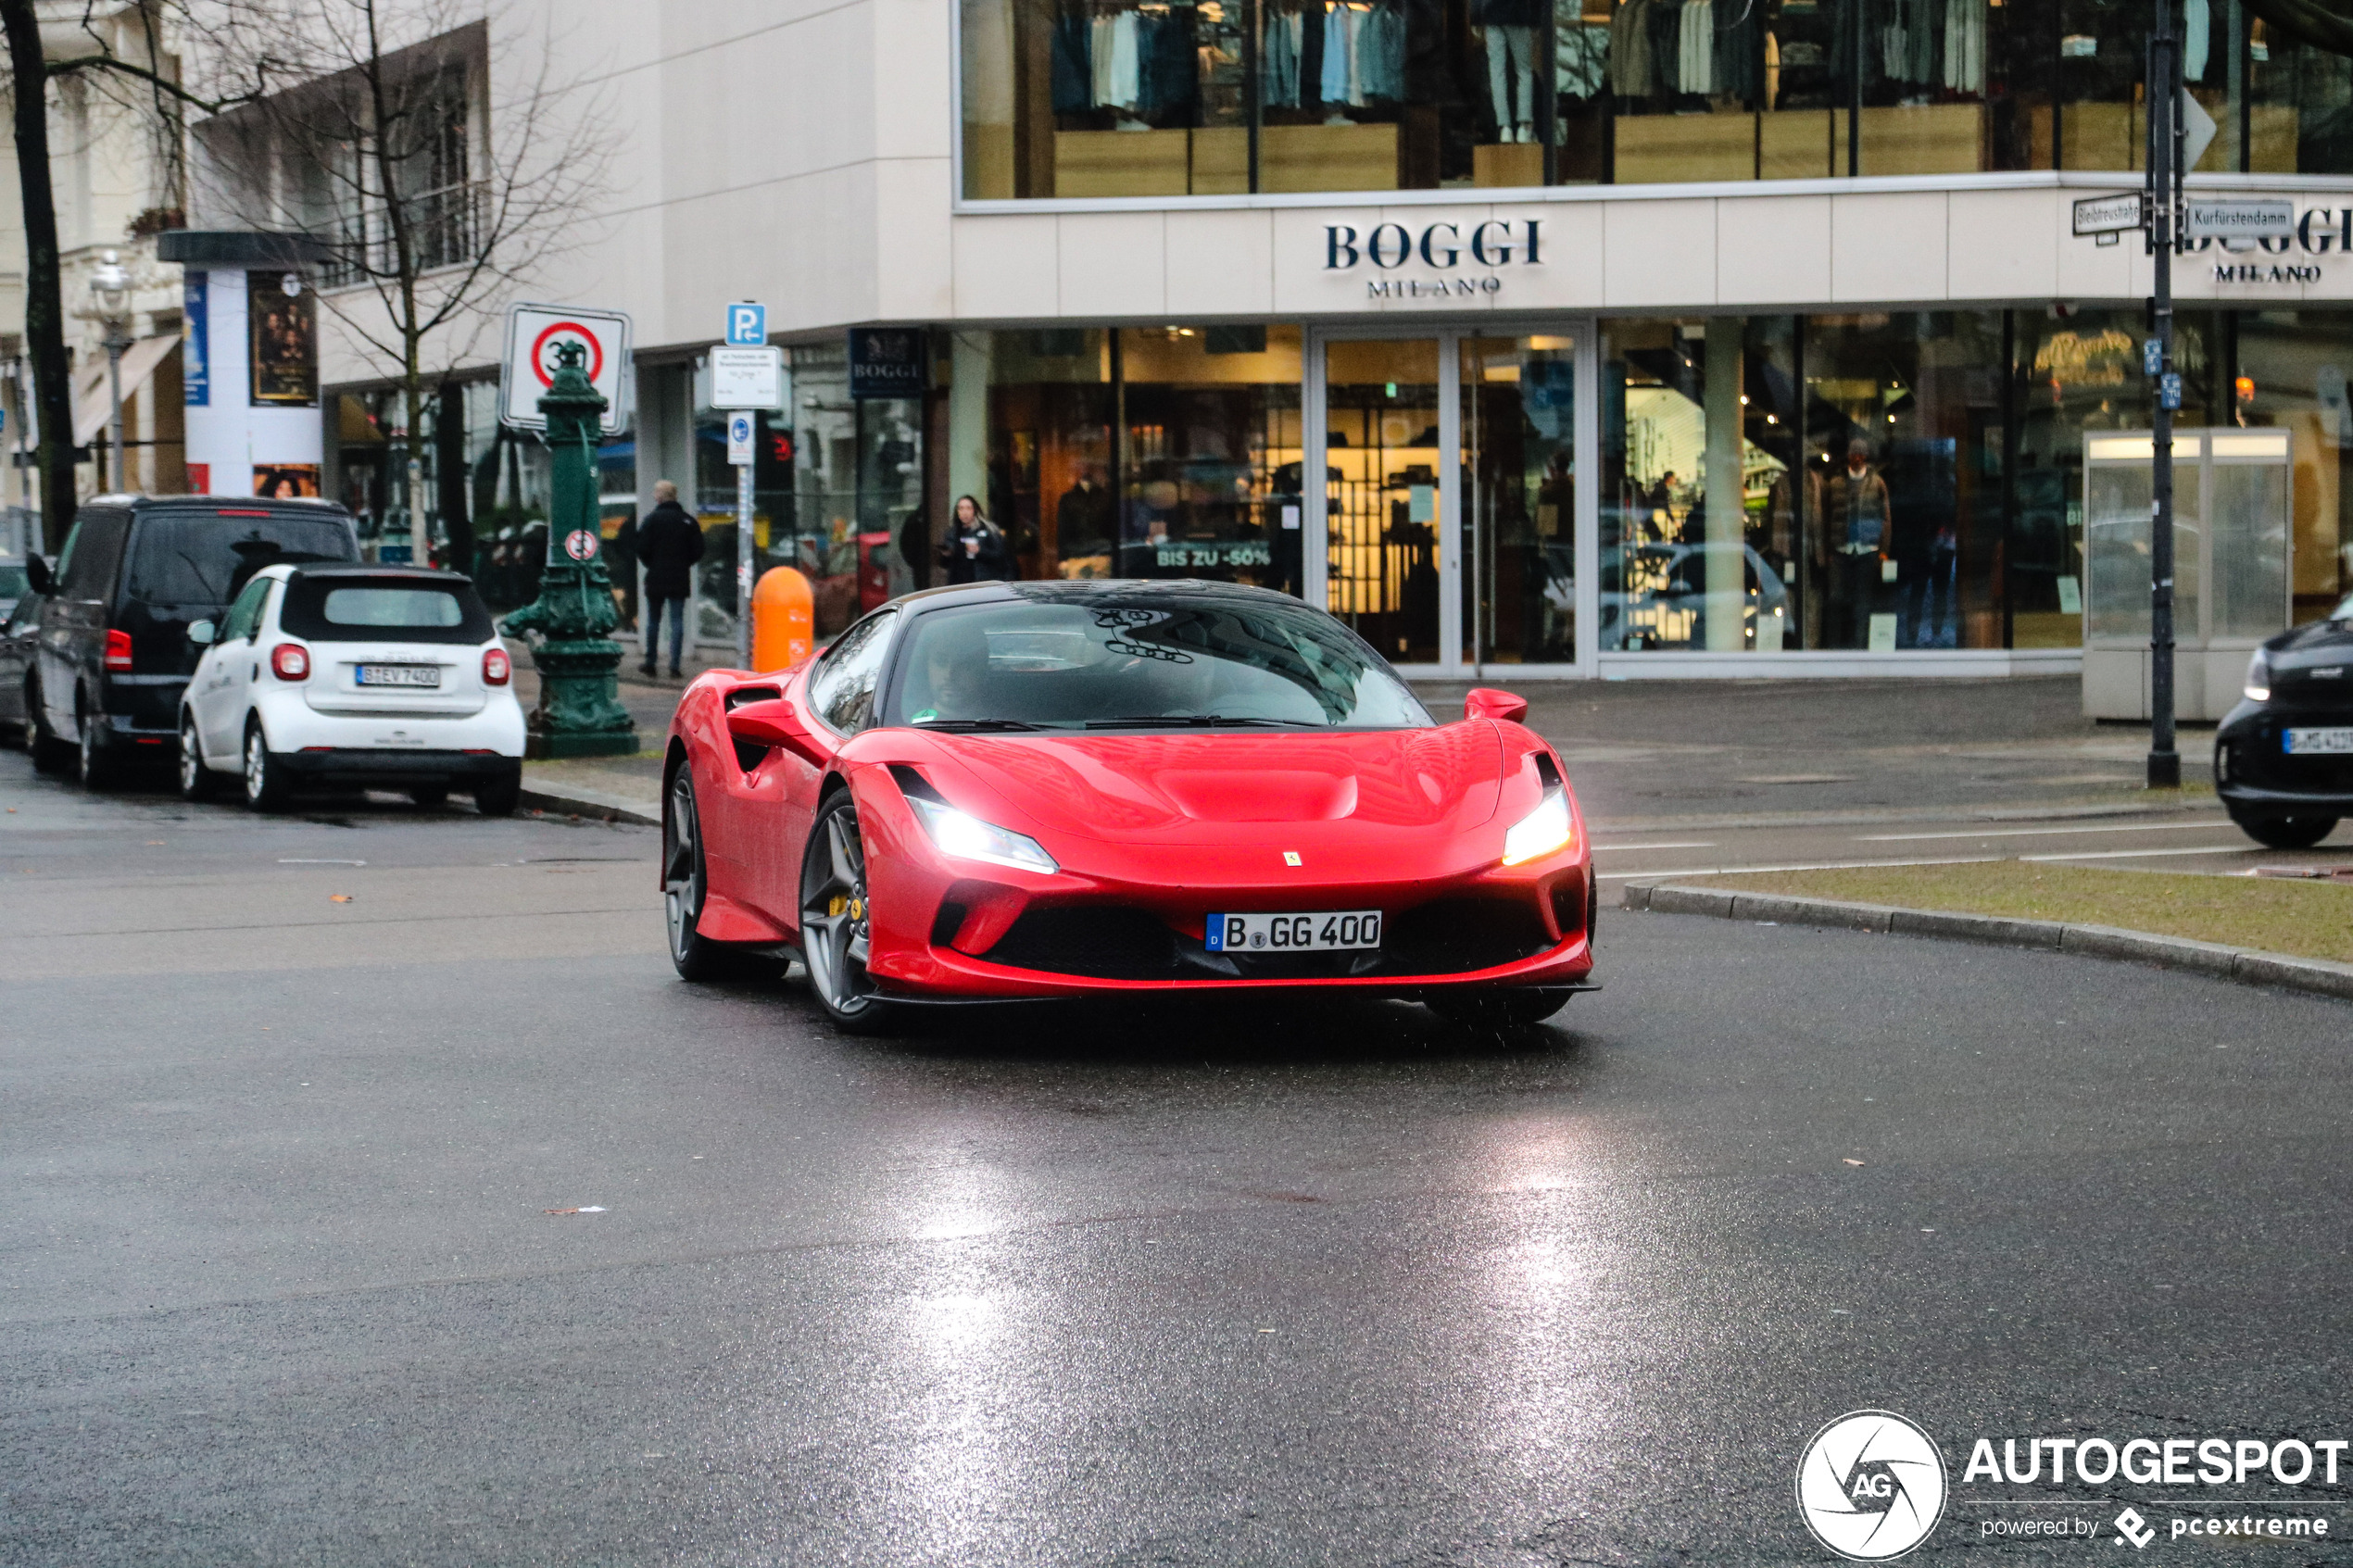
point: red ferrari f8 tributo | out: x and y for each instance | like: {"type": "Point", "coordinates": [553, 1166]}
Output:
{"type": "Point", "coordinates": [1053, 789]}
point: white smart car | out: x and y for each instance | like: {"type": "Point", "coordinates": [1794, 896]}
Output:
{"type": "Point", "coordinates": [353, 675]}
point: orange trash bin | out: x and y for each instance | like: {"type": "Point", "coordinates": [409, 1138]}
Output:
{"type": "Point", "coordinates": [783, 619]}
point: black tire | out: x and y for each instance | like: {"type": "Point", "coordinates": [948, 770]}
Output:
{"type": "Point", "coordinates": [197, 780]}
{"type": "Point", "coordinates": [834, 920]}
{"type": "Point", "coordinates": [499, 797]}
{"type": "Point", "coordinates": [50, 754]}
{"type": "Point", "coordinates": [686, 879]}
{"type": "Point", "coordinates": [94, 755]}
{"type": "Point", "coordinates": [2286, 833]}
{"type": "Point", "coordinates": [267, 785]}
{"type": "Point", "coordinates": [429, 798]}
{"type": "Point", "coordinates": [1496, 1009]}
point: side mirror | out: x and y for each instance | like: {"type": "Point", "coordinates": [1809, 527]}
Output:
{"type": "Point", "coordinates": [1486, 702]}
{"type": "Point", "coordinates": [202, 632]}
{"type": "Point", "coordinates": [774, 723]}
{"type": "Point", "coordinates": [36, 574]}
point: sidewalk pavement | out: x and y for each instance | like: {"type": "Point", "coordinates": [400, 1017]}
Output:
{"type": "Point", "coordinates": [1657, 754]}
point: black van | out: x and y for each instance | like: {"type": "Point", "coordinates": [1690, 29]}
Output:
{"type": "Point", "coordinates": [136, 571]}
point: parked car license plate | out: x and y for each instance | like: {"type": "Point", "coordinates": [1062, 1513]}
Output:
{"type": "Point", "coordinates": [399, 674]}
{"type": "Point", "coordinates": [1293, 933]}
{"type": "Point", "coordinates": [2320, 742]}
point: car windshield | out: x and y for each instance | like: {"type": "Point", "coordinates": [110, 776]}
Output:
{"type": "Point", "coordinates": [197, 560]}
{"type": "Point", "coordinates": [2343, 611]}
{"type": "Point", "coordinates": [1145, 662]}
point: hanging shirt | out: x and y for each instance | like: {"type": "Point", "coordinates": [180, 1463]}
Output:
{"type": "Point", "coordinates": [1126, 63]}
{"type": "Point", "coordinates": [1965, 44]}
{"type": "Point", "coordinates": [1072, 75]}
{"type": "Point", "coordinates": [1338, 53]}
{"type": "Point", "coordinates": [1380, 53]}
{"type": "Point", "coordinates": [1629, 50]}
{"type": "Point", "coordinates": [1279, 70]}
{"type": "Point", "coordinates": [1695, 57]}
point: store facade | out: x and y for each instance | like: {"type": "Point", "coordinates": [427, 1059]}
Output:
{"type": "Point", "coordinates": [1610, 433]}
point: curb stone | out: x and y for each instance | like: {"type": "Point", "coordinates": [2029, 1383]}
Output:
{"type": "Point", "coordinates": [2318, 976]}
{"type": "Point", "coordinates": [596, 803]}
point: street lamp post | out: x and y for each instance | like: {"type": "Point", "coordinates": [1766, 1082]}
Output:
{"type": "Point", "coordinates": [112, 283]}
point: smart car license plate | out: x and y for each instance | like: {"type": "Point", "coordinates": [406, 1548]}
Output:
{"type": "Point", "coordinates": [399, 674]}
{"type": "Point", "coordinates": [1323, 932]}
{"type": "Point", "coordinates": [2320, 742]}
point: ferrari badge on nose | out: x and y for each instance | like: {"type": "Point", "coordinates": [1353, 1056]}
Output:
{"type": "Point", "coordinates": [1291, 856]}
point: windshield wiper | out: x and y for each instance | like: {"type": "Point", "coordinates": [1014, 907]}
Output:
{"type": "Point", "coordinates": [1190, 721]}
{"type": "Point", "coordinates": [972, 725]}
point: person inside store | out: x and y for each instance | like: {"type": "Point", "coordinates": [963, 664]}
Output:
{"type": "Point", "coordinates": [669, 542]}
{"type": "Point", "coordinates": [1082, 522]}
{"type": "Point", "coordinates": [974, 550]}
{"type": "Point", "coordinates": [1854, 538]}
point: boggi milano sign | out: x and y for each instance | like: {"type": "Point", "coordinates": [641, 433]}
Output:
{"type": "Point", "coordinates": [1442, 247]}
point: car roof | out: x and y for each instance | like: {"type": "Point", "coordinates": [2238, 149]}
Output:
{"type": "Point", "coordinates": [235, 505]}
{"type": "Point", "coordinates": [421, 575]}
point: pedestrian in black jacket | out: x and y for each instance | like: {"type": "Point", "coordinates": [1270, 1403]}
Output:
{"type": "Point", "coordinates": [669, 543]}
{"type": "Point", "coordinates": [974, 550]}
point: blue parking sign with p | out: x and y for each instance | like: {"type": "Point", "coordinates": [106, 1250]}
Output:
{"type": "Point", "coordinates": [747, 325]}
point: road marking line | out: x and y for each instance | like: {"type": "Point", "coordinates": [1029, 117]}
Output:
{"type": "Point", "coordinates": [1809, 866]}
{"type": "Point", "coordinates": [1687, 844]}
{"type": "Point", "coordinates": [2137, 854]}
{"type": "Point", "coordinates": [2032, 833]}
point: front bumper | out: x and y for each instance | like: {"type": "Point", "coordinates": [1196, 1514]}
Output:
{"type": "Point", "coordinates": [1125, 921]}
{"type": "Point", "coordinates": [2256, 777]}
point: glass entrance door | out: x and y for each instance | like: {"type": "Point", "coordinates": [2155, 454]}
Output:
{"type": "Point", "coordinates": [1381, 455]}
{"type": "Point", "coordinates": [1518, 590]}
{"type": "Point", "coordinates": [1451, 499]}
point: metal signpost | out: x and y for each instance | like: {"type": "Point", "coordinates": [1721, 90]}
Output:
{"type": "Point", "coordinates": [2164, 192]}
{"type": "Point", "coordinates": [745, 375]}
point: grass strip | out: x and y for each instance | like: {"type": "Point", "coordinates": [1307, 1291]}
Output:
{"type": "Point", "coordinates": [2309, 919]}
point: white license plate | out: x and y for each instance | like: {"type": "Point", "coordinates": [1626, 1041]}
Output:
{"type": "Point", "coordinates": [1293, 933]}
{"type": "Point", "coordinates": [2320, 742]}
{"type": "Point", "coordinates": [399, 674]}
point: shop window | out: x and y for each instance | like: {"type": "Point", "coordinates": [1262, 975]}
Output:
{"type": "Point", "coordinates": [2299, 105]}
{"type": "Point", "coordinates": [1903, 480]}
{"type": "Point", "coordinates": [1147, 452]}
{"type": "Point", "coordinates": [1700, 495]}
{"type": "Point", "coordinates": [2293, 367]}
{"type": "Point", "coordinates": [1140, 97]}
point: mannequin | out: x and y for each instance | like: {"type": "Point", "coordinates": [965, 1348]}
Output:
{"type": "Point", "coordinates": [1511, 63]}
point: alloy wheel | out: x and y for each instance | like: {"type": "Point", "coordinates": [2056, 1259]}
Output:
{"type": "Point", "coordinates": [192, 769]}
{"type": "Point", "coordinates": [256, 765]}
{"type": "Point", "coordinates": [682, 867]}
{"type": "Point", "coordinates": [834, 913]}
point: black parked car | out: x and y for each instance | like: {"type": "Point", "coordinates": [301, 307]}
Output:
{"type": "Point", "coordinates": [136, 571]}
{"type": "Point", "coordinates": [2283, 756]}
{"type": "Point", "coordinates": [19, 630]}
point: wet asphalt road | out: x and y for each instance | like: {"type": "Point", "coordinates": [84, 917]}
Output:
{"type": "Point", "coordinates": [1324, 1284]}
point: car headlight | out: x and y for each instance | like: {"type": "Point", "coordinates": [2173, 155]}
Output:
{"type": "Point", "coordinates": [1541, 832]}
{"type": "Point", "coordinates": [2259, 677]}
{"type": "Point", "coordinates": [968, 838]}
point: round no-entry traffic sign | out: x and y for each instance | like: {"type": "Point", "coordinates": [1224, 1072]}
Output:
{"type": "Point", "coordinates": [579, 543]}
